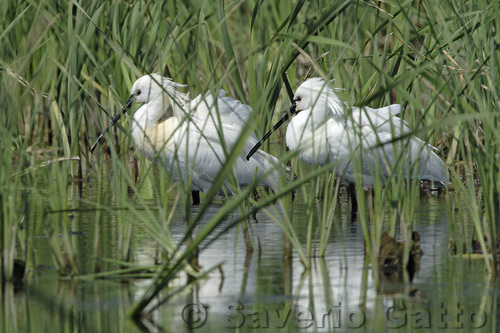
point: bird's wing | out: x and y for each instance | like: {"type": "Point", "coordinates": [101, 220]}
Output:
{"type": "Point", "coordinates": [388, 111]}
{"type": "Point", "coordinates": [219, 118]}
{"type": "Point", "coordinates": [212, 126]}
{"type": "Point", "coordinates": [233, 110]}
{"type": "Point", "coordinates": [381, 120]}
{"type": "Point", "coordinates": [413, 154]}
{"type": "Point", "coordinates": [203, 156]}
{"type": "Point", "coordinates": [226, 109]}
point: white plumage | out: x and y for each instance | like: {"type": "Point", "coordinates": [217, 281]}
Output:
{"type": "Point", "coordinates": [363, 142]}
{"type": "Point", "coordinates": [197, 135]}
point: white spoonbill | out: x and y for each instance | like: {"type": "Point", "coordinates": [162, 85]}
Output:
{"type": "Point", "coordinates": [197, 135]}
{"type": "Point", "coordinates": [326, 130]}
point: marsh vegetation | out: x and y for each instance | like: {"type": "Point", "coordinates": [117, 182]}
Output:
{"type": "Point", "coordinates": [67, 67]}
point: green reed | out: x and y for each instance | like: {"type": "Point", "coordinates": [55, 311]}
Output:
{"type": "Point", "coordinates": [10, 220]}
{"type": "Point", "coordinates": [66, 68]}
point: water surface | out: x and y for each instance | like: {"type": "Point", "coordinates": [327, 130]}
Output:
{"type": "Point", "coordinates": [263, 289]}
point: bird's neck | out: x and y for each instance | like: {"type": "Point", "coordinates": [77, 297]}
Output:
{"type": "Point", "coordinates": [148, 115]}
{"type": "Point", "coordinates": [300, 127]}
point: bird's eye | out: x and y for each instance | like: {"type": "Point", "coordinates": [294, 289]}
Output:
{"type": "Point", "coordinates": [298, 99]}
{"type": "Point", "coordinates": [138, 92]}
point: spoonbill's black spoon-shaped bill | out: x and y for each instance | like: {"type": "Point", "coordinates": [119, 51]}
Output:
{"type": "Point", "coordinates": [192, 143]}
{"type": "Point", "coordinates": [293, 110]}
{"type": "Point", "coordinates": [127, 106]}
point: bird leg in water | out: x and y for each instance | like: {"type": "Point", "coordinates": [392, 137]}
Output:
{"type": "Point", "coordinates": [354, 200]}
{"type": "Point", "coordinates": [196, 197]}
